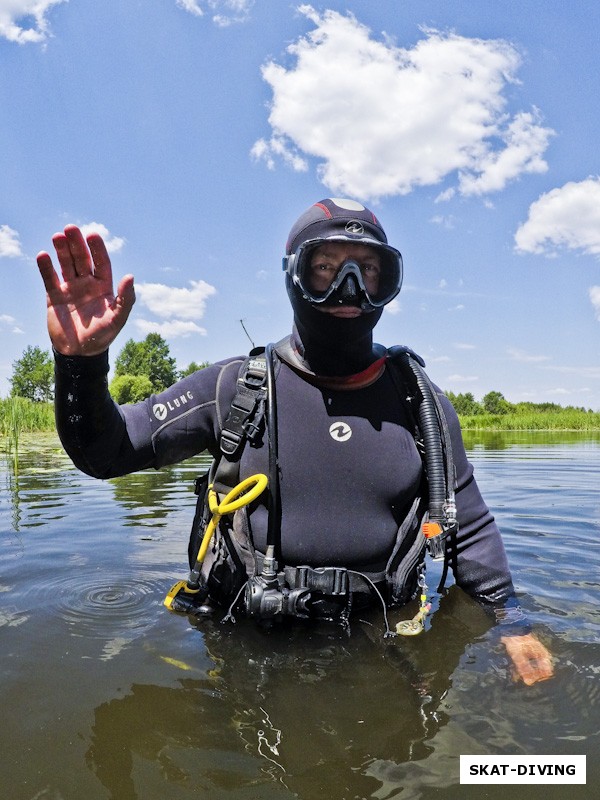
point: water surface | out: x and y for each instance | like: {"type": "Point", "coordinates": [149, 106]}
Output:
{"type": "Point", "coordinates": [107, 695]}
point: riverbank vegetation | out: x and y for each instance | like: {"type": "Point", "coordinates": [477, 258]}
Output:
{"type": "Point", "coordinates": [495, 413]}
{"type": "Point", "coordinates": [20, 415]}
{"type": "Point", "coordinates": [25, 416]}
{"type": "Point", "coordinates": [146, 367]}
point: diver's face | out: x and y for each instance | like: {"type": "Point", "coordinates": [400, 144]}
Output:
{"type": "Point", "coordinates": [325, 264]}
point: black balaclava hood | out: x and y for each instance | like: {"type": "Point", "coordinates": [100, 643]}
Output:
{"type": "Point", "coordinates": [329, 345]}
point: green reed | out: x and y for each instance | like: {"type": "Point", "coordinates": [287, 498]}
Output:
{"type": "Point", "coordinates": [17, 416]}
{"type": "Point", "coordinates": [568, 419]}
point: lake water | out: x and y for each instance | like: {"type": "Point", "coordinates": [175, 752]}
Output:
{"type": "Point", "coordinates": [105, 694]}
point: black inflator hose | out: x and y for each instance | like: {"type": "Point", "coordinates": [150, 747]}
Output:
{"type": "Point", "coordinates": [429, 424]}
{"type": "Point", "coordinates": [274, 504]}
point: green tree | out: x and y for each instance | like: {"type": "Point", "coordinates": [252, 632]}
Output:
{"type": "Point", "coordinates": [151, 358]}
{"type": "Point", "coordinates": [464, 404]}
{"type": "Point", "coordinates": [130, 388]}
{"type": "Point", "coordinates": [495, 403]}
{"type": "Point", "coordinates": [193, 367]}
{"type": "Point", "coordinates": [33, 375]}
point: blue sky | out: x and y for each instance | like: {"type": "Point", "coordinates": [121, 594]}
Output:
{"type": "Point", "coordinates": [192, 133]}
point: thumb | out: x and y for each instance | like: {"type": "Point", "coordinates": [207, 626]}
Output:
{"type": "Point", "coordinates": [125, 298]}
{"type": "Point", "coordinates": [125, 294]}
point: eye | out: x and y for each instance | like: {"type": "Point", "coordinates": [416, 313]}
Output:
{"type": "Point", "coordinates": [370, 268]}
{"type": "Point", "coordinates": [321, 266]}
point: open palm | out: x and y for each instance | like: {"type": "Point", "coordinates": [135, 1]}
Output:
{"type": "Point", "coordinates": [84, 314]}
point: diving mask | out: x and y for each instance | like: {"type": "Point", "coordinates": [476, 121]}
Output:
{"type": "Point", "coordinates": [369, 282]}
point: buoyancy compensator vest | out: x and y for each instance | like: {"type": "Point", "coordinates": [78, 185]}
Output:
{"type": "Point", "coordinates": [231, 570]}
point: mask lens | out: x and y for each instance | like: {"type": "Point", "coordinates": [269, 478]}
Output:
{"type": "Point", "coordinates": [378, 275]}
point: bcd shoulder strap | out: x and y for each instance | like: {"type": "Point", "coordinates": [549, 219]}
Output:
{"type": "Point", "coordinates": [244, 420]}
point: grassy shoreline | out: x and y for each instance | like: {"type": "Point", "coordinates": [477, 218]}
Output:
{"type": "Point", "coordinates": [18, 415]}
{"type": "Point", "coordinates": [563, 420]}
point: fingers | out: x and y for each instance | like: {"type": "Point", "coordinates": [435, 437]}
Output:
{"type": "Point", "coordinates": [100, 257]}
{"type": "Point", "coordinates": [49, 276]}
{"type": "Point", "coordinates": [77, 257]}
{"type": "Point", "coordinates": [73, 253]}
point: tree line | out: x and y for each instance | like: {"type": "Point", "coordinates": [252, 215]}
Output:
{"type": "Point", "coordinates": [147, 367]}
{"type": "Point", "coordinates": [496, 404]}
{"type": "Point", "coordinates": [141, 369]}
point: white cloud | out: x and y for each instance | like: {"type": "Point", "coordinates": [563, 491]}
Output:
{"type": "Point", "coordinates": [170, 329]}
{"type": "Point", "coordinates": [10, 246]}
{"type": "Point", "coordinates": [525, 358]}
{"type": "Point", "coordinates": [595, 298]}
{"type": "Point", "coordinates": [393, 307]}
{"type": "Point", "coordinates": [464, 346]}
{"type": "Point", "coordinates": [10, 323]}
{"type": "Point", "coordinates": [463, 378]}
{"type": "Point", "coordinates": [583, 372]}
{"type": "Point", "coordinates": [226, 12]}
{"type": "Point", "coordinates": [566, 217]}
{"type": "Point", "coordinates": [444, 221]}
{"type": "Point", "coordinates": [383, 120]}
{"type": "Point", "coordinates": [438, 359]}
{"type": "Point", "coordinates": [167, 301]}
{"type": "Point", "coordinates": [192, 6]}
{"type": "Point", "coordinates": [113, 243]}
{"type": "Point", "coordinates": [524, 142]}
{"type": "Point", "coordinates": [14, 14]}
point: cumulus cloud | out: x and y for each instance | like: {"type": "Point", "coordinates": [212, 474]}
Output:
{"type": "Point", "coordinates": [464, 346]}
{"type": "Point", "coordinates": [170, 329]}
{"type": "Point", "coordinates": [179, 308]}
{"type": "Point", "coordinates": [225, 12]}
{"type": "Point", "coordinates": [169, 301]}
{"type": "Point", "coordinates": [566, 217]}
{"type": "Point", "coordinates": [193, 6]}
{"type": "Point", "coordinates": [383, 120]}
{"type": "Point", "coordinates": [25, 21]}
{"type": "Point", "coordinates": [10, 246]}
{"type": "Point", "coordinates": [456, 378]}
{"type": "Point", "coordinates": [9, 323]}
{"type": "Point", "coordinates": [595, 298]}
{"type": "Point", "coordinates": [113, 243]}
{"type": "Point", "coordinates": [525, 358]}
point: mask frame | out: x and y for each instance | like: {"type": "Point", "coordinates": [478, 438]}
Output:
{"type": "Point", "coordinates": [297, 266]}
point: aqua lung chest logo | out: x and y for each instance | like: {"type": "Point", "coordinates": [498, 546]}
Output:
{"type": "Point", "coordinates": [340, 431]}
{"type": "Point", "coordinates": [161, 410]}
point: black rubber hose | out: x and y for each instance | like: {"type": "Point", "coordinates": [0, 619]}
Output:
{"type": "Point", "coordinates": [434, 452]}
{"type": "Point", "coordinates": [274, 509]}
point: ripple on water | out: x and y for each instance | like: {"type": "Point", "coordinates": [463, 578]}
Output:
{"type": "Point", "coordinates": [102, 607]}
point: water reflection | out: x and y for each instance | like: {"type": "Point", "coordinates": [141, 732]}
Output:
{"type": "Point", "coordinates": [303, 708]}
{"type": "Point", "coordinates": [502, 440]}
{"type": "Point", "coordinates": [107, 695]}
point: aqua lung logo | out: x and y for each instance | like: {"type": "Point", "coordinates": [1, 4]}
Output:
{"type": "Point", "coordinates": [355, 228]}
{"type": "Point", "coordinates": [340, 431]}
{"type": "Point", "coordinates": [161, 410]}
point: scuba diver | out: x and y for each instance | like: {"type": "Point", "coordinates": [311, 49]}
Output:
{"type": "Point", "coordinates": [361, 455]}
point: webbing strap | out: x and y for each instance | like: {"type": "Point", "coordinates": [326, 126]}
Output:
{"type": "Point", "coordinates": [247, 408]}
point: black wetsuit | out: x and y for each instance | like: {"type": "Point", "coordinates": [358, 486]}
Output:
{"type": "Point", "coordinates": [348, 462]}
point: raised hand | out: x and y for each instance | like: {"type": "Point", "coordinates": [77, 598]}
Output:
{"type": "Point", "coordinates": [84, 314]}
